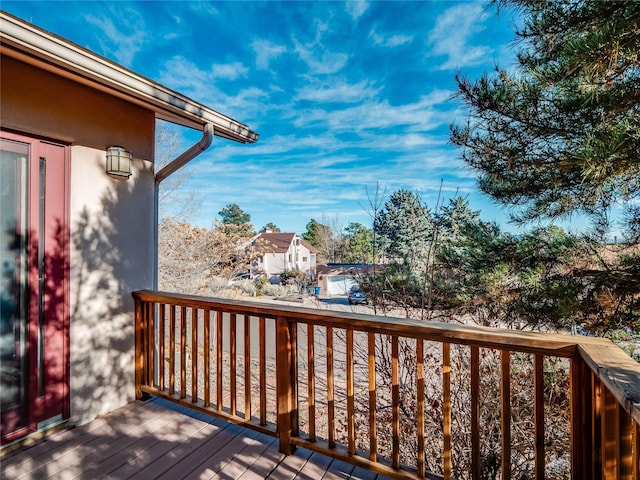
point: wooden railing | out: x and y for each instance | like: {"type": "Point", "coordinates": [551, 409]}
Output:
{"type": "Point", "coordinates": [407, 399]}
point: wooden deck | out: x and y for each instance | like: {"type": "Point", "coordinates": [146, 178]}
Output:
{"type": "Point", "coordinates": [159, 440]}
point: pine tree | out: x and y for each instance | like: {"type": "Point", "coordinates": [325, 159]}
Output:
{"type": "Point", "coordinates": [562, 134]}
{"type": "Point", "coordinates": [405, 229]}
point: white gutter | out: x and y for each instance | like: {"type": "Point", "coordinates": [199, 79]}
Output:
{"type": "Point", "coordinates": [166, 171]}
{"type": "Point", "coordinates": [51, 52]}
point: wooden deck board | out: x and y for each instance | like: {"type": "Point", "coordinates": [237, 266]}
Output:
{"type": "Point", "coordinates": [338, 470]}
{"type": "Point", "coordinates": [68, 461]}
{"type": "Point", "coordinates": [129, 447]}
{"type": "Point", "coordinates": [245, 459]}
{"type": "Point", "coordinates": [264, 465]}
{"type": "Point", "coordinates": [315, 467]}
{"type": "Point", "coordinates": [291, 465]}
{"type": "Point", "coordinates": [210, 457]}
{"type": "Point", "coordinates": [33, 454]}
{"type": "Point", "coordinates": [147, 450]}
{"type": "Point", "coordinates": [160, 440]}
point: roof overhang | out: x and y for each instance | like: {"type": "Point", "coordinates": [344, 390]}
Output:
{"type": "Point", "coordinates": [50, 52]}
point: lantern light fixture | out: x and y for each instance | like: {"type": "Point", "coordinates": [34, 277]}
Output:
{"type": "Point", "coordinates": [119, 162]}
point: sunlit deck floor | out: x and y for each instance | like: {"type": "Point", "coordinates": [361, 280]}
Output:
{"type": "Point", "coordinates": [158, 440]}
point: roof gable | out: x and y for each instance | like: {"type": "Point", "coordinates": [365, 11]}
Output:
{"type": "Point", "coordinates": [280, 242]}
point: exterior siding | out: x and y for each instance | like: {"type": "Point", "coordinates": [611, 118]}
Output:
{"type": "Point", "coordinates": [111, 256]}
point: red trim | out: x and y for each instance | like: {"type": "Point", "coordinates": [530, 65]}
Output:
{"type": "Point", "coordinates": [55, 239]}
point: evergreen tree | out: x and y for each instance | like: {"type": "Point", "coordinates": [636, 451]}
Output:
{"type": "Point", "coordinates": [312, 234]}
{"type": "Point", "coordinates": [235, 221]}
{"type": "Point", "coordinates": [324, 238]}
{"type": "Point", "coordinates": [358, 244]}
{"type": "Point", "coordinates": [558, 137]}
{"type": "Point", "coordinates": [404, 229]}
{"type": "Point", "coordinates": [453, 219]}
{"type": "Point", "coordinates": [232, 214]}
{"type": "Point", "coordinates": [562, 135]}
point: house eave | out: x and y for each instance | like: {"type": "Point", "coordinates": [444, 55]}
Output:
{"type": "Point", "coordinates": [45, 50]}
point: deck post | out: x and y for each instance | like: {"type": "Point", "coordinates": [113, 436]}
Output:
{"type": "Point", "coordinates": [285, 387]}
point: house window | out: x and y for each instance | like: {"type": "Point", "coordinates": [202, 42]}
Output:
{"type": "Point", "coordinates": [304, 259]}
{"type": "Point", "coordinates": [290, 258]}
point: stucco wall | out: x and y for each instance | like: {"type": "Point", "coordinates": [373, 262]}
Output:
{"type": "Point", "coordinates": [111, 255]}
{"type": "Point", "coordinates": [40, 103]}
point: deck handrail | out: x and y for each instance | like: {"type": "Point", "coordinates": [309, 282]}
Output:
{"type": "Point", "coordinates": [604, 397]}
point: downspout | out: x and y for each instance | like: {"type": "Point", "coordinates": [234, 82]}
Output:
{"type": "Point", "coordinates": [166, 171]}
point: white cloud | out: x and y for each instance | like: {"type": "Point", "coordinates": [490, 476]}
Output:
{"type": "Point", "coordinates": [124, 37]}
{"type": "Point", "coordinates": [229, 71]}
{"type": "Point", "coordinates": [266, 51]}
{"type": "Point", "coordinates": [321, 61]}
{"type": "Point", "coordinates": [389, 40]}
{"type": "Point", "coordinates": [335, 90]}
{"type": "Point", "coordinates": [452, 35]}
{"type": "Point", "coordinates": [356, 8]}
{"type": "Point", "coordinates": [185, 76]}
{"type": "Point", "coordinates": [426, 114]}
{"type": "Point", "coordinates": [182, 74]}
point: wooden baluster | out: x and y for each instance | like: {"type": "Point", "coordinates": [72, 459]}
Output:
{"type": "Point", "coordinates": [311, 381]}
{"type": "Point", "coordinates": [330, 399]}
{"type": "Point", "coordinates": [183, 352]}
{"type": "Point", "coordinates": [144, 326]}
{"type": "Point", "coordinates": [420, 405]}
{"type": "Point", "coordinates": [505, 412]}
{"type": "Point", "coordinates": [263, 372]}
{"type": "Point", "coordinates": [476, 466]}
{"type": "Point", "coordinates": [351, 420]}
{"type": "Point", "coordinates": [285, 402]}
{"type": "Point", "coordinates": [194, 355]}
{"type": "Point", "coordinates": [538, 392]}
{"type": "Point", "coordinates": [626, 444]}
{"type": "Point", "coordinates": [139, 348]}
{"type": "Point", "coordinates": [295, 425]}
{"type": "Point", "coordinates": [247, 368]}
{"type": "Point", "coordinates": [395, 404]}
{"type": "Point", "coordinates": [161, 339]}
{"type": "Point", "coordinates": [446, 410]}
{"type": "Point", "coordinates": [232, 361]}
{"type": "Point", "coordinates": [207, 349]}
{"type": "Point", "coordinates": [373, 438]}
{"type": "Point", "coordinates": [636, 451]}
{"type": "Point", "coordinates": [172, 349]}
{"type": "Point", "coordinates": [219, 333]}
{"type": "Point", "coordinates": [582, 441]}
{"type": "Point", "coordinates": [596, 423]}
{"type": "Point", "coordinates": [151, 343]}
{"type": "Point", "coordinates": [610, 435]}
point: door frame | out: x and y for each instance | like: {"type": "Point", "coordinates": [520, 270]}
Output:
{"type": "Point", "coordinates": [41, 413]}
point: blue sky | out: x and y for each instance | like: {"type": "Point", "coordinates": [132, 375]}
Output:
{"type": "Point", "coordinates": [344, 95]}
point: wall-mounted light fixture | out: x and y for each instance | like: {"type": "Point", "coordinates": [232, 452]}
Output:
{"type": "Point", "coordinates": [119, 162]}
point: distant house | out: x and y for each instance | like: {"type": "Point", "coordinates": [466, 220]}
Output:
{"type": "Point", "coordinates": [277, 252]}
{"type": "Point", "coordinates": [338, 278]}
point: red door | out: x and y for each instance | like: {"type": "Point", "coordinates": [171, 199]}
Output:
{"type": "Point", "coordinates": [34, 284]}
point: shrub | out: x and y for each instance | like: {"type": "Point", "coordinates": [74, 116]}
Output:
{"type": "Point", "coordinates": [246, 286]}
{"type": "Point", "coordinates": [278, 290]}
